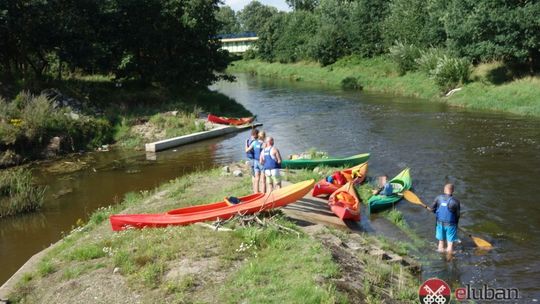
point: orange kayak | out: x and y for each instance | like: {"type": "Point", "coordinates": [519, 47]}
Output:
{"type": "Point", "coordinates": [324, 188]}
{"type": "Point", "coordinates": [275, 199]}
{"type": "Point", "coordinates": [230, 120]}
{"type": "Point", "coordinates": [345, 203]}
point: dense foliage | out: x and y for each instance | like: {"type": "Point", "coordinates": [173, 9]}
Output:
{"type": "Point", "coordinates": [326, 30]}
{"type": "Point", "coordinates": [166, 41]}
{"type": "Point", "coordinates": [18, 192]}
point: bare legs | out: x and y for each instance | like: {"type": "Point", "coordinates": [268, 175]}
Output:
{"type": "Point", "coordinates": [449, 249]}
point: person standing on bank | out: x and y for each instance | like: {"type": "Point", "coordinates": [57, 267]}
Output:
{"type": "Point", "coordinates": [447, 211]}
{"type": "Point", "coordinates": [257, 146]}
{"type": "Point", "coordinates": [271, 159]}
{"type": "Point", "coordinates": [250, 153]}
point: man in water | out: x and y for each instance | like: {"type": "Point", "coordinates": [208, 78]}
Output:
{"type": "Point", "coordinates": [250, 153]}
{"type": "Point", "coordinates": [271, 159]}
{"type": "Point", "coordinates": [386, 187]}
{"type": "Point", "coordinates": [447, 210]}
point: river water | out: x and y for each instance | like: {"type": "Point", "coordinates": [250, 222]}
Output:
{"type": "Point", "coordinates": [493, 159]}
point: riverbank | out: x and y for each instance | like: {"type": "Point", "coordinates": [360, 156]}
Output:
{"type": "Point", "coordinates": [52, 118]}
{"type": "Point", "coordinates": [488, 90]}
{"type": "Point", "coordinates": [249, 263]}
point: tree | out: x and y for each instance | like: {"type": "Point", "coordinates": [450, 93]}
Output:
{"type": "Point", "coordinates": [415, 22]}
{"type": "Point", "coordinates": [305, 5]}
{"type": "Point", "coordinates": [254, 15]}
{"type": "Point", "coordinates": [366, 27]}
{"type": "Point", "coordinates": [227, 18]}
{"type": "Point", "coordinates": [488, 30]}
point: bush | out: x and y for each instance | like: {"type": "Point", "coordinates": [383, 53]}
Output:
{"type": "Point", "coordinates": [451, 72]}
{"type": "Point", "coordinates": [28, 123]}
{"type": "Point", "coordinates": [250, 54]}
{"type": "Point", "coordinates": [404, 55]}
{"type": "Point", "coordinates": [429, 58]}
{"type": "Point", "coordinates": [350, 83]}
{"type": "Point", "coordinates": [18, 193]}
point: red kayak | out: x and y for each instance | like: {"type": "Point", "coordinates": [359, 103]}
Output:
{"type": "Point", "coordinates": [345, 203]}
{"type": "Point", "coordinates": [230, 120]}
{"type": "Point", "coordinates": [214, 206]}
{"type": "Point", "coordinates": [277, 198]}
{"type": "Point", "coordinates": [324, 188]}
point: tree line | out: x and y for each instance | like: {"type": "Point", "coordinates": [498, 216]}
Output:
{"type": "Point", "coordinates": [166, 41]}
{"type": "Point", "coordinates": [326, 30]}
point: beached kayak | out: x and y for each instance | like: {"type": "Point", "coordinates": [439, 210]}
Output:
{"type": "Point", "coordinates": [345, 203]}
{"type": "Point", "coordinates": [277, 198]}
{"type": "Point", "coordinates": [230, 120]}
{"type": "Point", "coordinates": [329, 162]}
{"type": "Point", "coordinates": [214, 206]}
{"type": "Point", "coordinates": [399, 183]}
{"type": "Point", "coordinates": [324, 188]}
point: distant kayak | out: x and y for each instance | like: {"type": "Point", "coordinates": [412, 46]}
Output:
{"type": "Point", "coordinates": [274, 199]}
{"type": "Point", "coordinates": [399, 184]}
{"type": "Point", "coordinates": [345, 203]}
{"type": "Point", "coordinates": [324, 188]}
{"type": "Point", "coordinates": [328, 162]}
{"type": "Point", "coordinates": [230, 120]}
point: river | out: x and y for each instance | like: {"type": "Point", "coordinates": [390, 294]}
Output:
{"type": "Point", "coordinates": [493, 159]}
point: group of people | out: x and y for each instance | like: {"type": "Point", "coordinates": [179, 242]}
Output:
{"type": "Point", "coordinates": [265, 161]}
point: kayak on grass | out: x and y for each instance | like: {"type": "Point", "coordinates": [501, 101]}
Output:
{"type": "Point", "coordinates": [230, 120]}
{"type": "Point", "coordinates": [277, 198]}
{"type": "Point", "coordinates": [329, 162]}
{"type": "Point", "coordinates": [214, 206]}
{"type": "Point", "coordinates": [345, 203]}
{"type": "Point", "coordinates": [399, 183]}
{"type": "Point", "coordinates": [325, 188]}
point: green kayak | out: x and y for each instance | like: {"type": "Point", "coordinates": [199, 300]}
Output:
{"type": "Point", "coordinates": [328, 162]}
{"type": "Point", "coordinates": [399, 183]}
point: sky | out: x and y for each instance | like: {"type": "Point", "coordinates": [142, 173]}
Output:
{"type": "Point", "coordinates": [239, 4]}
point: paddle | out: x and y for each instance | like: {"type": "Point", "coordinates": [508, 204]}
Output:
{"type": "Point", "coordinates": [413, 198]}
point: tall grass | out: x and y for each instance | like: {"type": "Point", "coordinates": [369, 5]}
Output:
{"type": "Point", "coordinates": [18, 193]}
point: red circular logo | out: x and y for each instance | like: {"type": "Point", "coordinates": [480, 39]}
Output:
{"type": "Point", "coordinates": [434, 291]}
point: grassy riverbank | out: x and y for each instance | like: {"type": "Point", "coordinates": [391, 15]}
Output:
{"type": "Point", "coordinates": [83, 113]}
{"type": "Point", "coordinates": [249, 264]}
{"type": "Point", "coordinates": [490, 89]}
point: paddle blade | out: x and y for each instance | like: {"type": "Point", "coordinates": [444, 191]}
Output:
{"type": "Point", "coordinates": [413, 198]}
{"type": "Point", "coordinates": [481, 242]}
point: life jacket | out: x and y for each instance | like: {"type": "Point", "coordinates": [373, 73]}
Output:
{"type": "Point", "coordinates": [443, 212]}
{"type": "Point", "coordinates": [387, 189]}
{"type": "Point", "coordinates": [257, 148]}
{"type": "Point", "coordinates": [251, 153]}
{"type": "Point", "coordinates": [269, 161]}
{"type": "Point", "coordinates": [339, 179]}
{"type": "Point", "coordinates": [347, 200]}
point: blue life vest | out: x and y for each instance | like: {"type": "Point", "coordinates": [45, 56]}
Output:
{"type": "Point", "coordinates": [387, 189]}
{"type": "Point", "coordinates": [250, 153]}
{"type": "Point", "coordinates": [269, 161]}
{"type": "Point", "coordinates": [257, 148]}
{"type": "Point", "coordinates": [443, 212]}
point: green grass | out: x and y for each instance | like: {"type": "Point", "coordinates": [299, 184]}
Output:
{"type": "Point", "coordinates": [515, 94]}
{"type": "Point", "coordinates": [193, 263]}
{"type": "Point", "coordinates": [18, 192]}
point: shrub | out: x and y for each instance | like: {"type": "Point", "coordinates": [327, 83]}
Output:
{"type": "Point", "coordinates": [404, 55]}
{"type": "Point", "coordinates": [429, 58]}
{"type": "Point", "coordinates": [451, 72]}
{"type": "Point", "coordinates": [251, 53]}
{"type": "Point", "coordinates": [18, 193]}
{"type": "Point", "coordinates": [350, 83]}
